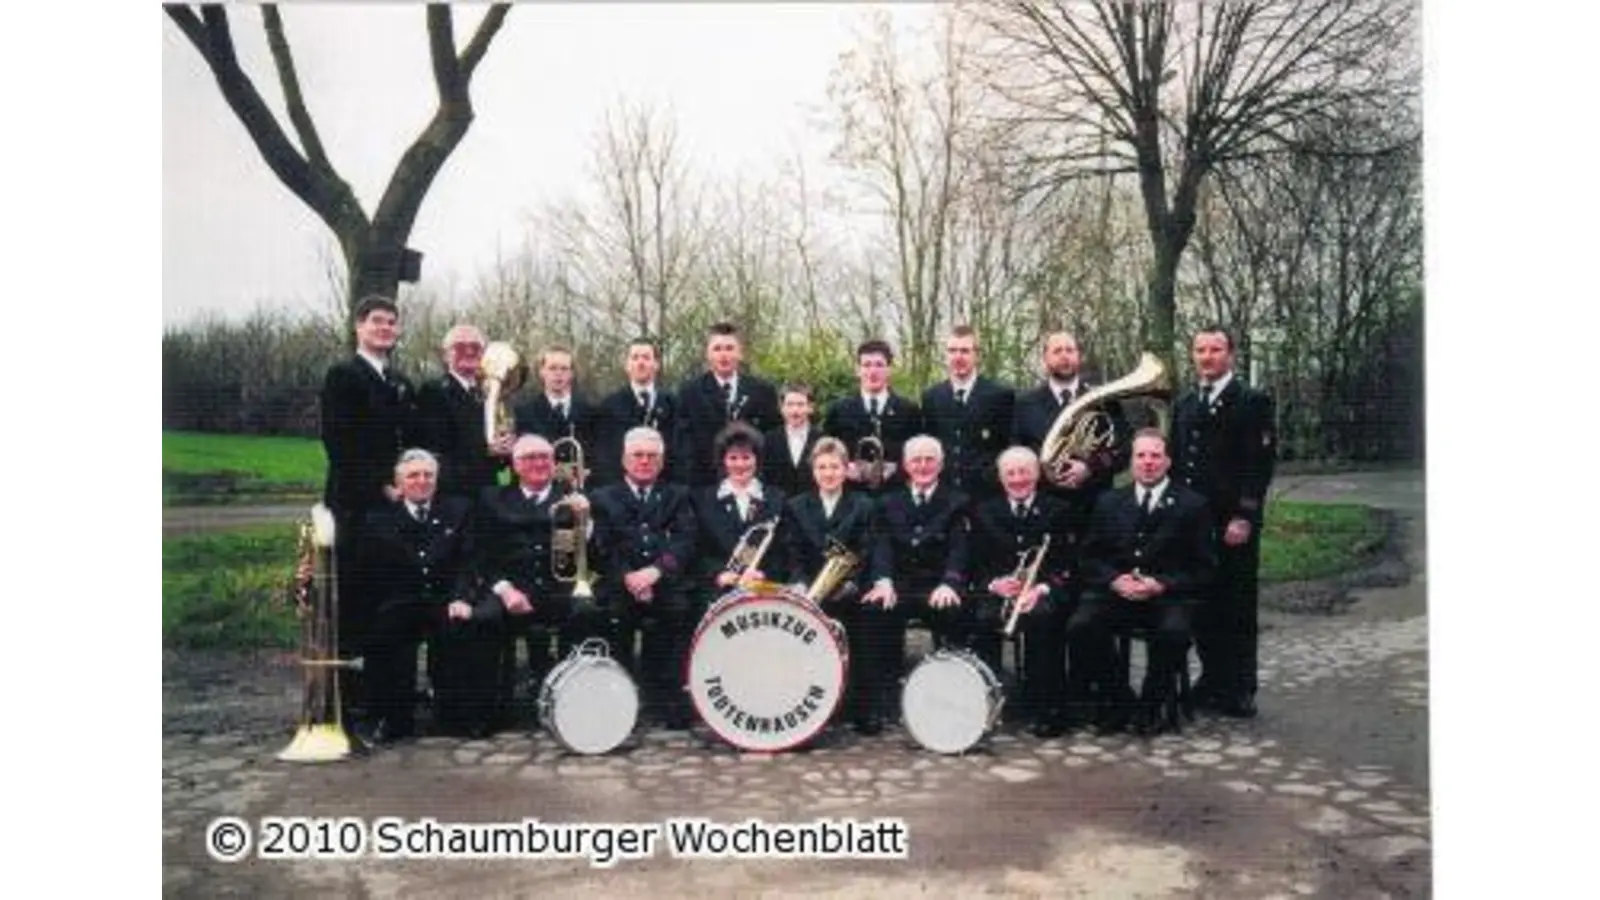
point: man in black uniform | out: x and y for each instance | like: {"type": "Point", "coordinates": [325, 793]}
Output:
{"type": "Point", "coordinates": [367, 420]}
{"type": "Point", "coordinates": [645, 534]}
{"type": "Point", "coordinates": [1147, 563]}
{"type": "Point", "coordinates": [640, 402]}
{"type": "Point", "coordinates": [1003, 529]}
{"type": "Point", "coordinates": [925, 523]}
{"type": "Point", "coordinates": [709, 401]}
{"type": "Point", "coordinates": [1036, 411]}
{"type": "Point", "coordinates": [877, 411]}
{"type": "Point", "coordinates": [450, 419]}
{"type": "Point", "coordinates": [558, 411]}
{"type": "Point", "coordinates": [1224, 445]}
{"type": "Point", "coordinates": [831, 516]}
{"type": "Point", "coordinates": [971, 416]}
{"type": "Point", "coordinates": [414, 557]}
{"type": "Point", "coordinates": [786, 451]}
{"type": "Point", "coordinates": [513, 562]}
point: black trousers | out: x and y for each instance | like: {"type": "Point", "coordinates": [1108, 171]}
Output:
{"type": "Point", "coordinates": [554, 612]}
{"type": "Point", "coordinates": [663, 628]}
{"type": "Point", "coordinates": [875, 637]}
{"type": "Point", "coordinates": [358, 611]}
{"type": "Point", "coordinates": [1226, 627]}
{"type": "Point", "coordinates": [397, 631]}
{"type": "Point", "coordinates": [1100, 617]}
{"type": "Point", "coordinates": [1043, 629]}
{"type": "Point", "coordinates": [951, 626]}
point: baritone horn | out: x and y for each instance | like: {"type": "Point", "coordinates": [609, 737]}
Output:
{"type": "Point", "coordinates": [569, 547]}
{"type": "Point", "coordinates": [839, 565]}
{"type": "Point", "coordinates": [1080, 430]}
{"type": "Point", "coordinates": [1027, 573]}
{"type": "Point", "coordinates": [748, 553]}
{"type": "Point", "coordinates": [321, 736]}
{"type": "Point", "coordinates": [502, 372]}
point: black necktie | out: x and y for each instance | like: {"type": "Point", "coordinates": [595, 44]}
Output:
{"type": "Point", "coordinates": [644, 399]}
{"type": "Point", "coordinates": [922, 498]}
{"type": "Point", "coordinates": [961, 396]}
{"type": "Point", "coordinates": [421, 514]}
{"type": "Point", "coordinates": [1020, 509]}
{"type": "Point", "coordinates": [644, 495]}
{"type": "Point", "coordinates": [1205, 395]}
{"type": "Point", "coordinates": [561, 411]}
{"type": "Point", "coordinates": [727, 393]}
{"type": "Point", "coordinates": [872, 406]}
{"type": "Point", "coordinates": [1066, 397]}
{"type": "Point", "coordinates": [1146, 502]}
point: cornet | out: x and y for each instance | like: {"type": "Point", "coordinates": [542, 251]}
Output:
{"type": "Point", "coordinates": [502, 372]}
{"type": "Point", "coordinates": [839, 566]}
{"type": "Point", "coordinates": [748, 553]}
{"type": "Point", "coordinates": [872, 453]}
{"type": "Point", "coordinates": [569, 549]}
{"type": "Point", "coordinates": [1027, 573]}
{"type": "Point", "coordinates": [571, 472]}
{"type": "Point", "coordinates": [321, 736]}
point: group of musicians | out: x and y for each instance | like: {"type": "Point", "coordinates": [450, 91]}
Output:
{"type": "Point", "coordinates": [936, 500]}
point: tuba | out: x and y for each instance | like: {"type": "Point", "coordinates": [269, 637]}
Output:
{"type": "Point", "coordinates": [1027, 573]}
{"type": "Point", "coordinates": [1081, 430]}
{"type": "Point", "coordinates": [569, 548]}
{"type": "Point", "coordinates": [748, 553]}
{"type": "Point", "coordinates": [321, 736]}
{"type": "Point", "coordinates": [502, 371]}
{"type": "Point", "coordinates": [839, 566]}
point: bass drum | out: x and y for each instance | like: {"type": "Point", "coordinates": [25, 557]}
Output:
{"type": "Point", "coordinates": [767, 669]}
{"type": "Point", "coordinates": [588, 702]}
{"type": "Point", "coordinates": [951, 701]}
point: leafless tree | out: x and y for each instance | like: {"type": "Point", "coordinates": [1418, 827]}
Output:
{"type": "Point", "coordinates": [1169, 91]}
{"type": "Point", "coordinates": [374, 247]}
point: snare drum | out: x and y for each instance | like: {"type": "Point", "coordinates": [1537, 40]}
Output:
{"type": "Point", "coordinates": [951, 701]}
{"type": "Point", "coordinates": [767, 669]}
{"type": "Point", "coordinates": [588, 702]}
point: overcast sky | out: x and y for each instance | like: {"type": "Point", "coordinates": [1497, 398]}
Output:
{"type": "Point", "coordinates": [740, 79]}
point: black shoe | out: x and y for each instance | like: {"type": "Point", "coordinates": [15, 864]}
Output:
{"type": "Point", "coordinates": [1049, 727]}
{"type": "Point", "coordinates": [678, 720]}
{"type": "Point", "coordinates": [387, 731]}
{"type": "Point", "coordinates": [1238, 707]}
{"type": "Point", "coordinates": [869, 726]}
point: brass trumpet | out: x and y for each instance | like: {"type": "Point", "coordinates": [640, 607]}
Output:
{"type": "Point", "coordinates": [839, 565]}
{"type": "Point", "coordinates": [569, 549]}
{"type": "Point", "coordinates": [1028, 573]}
{"type": "Point", "coordinates": [571, 472]}
{"type": "Point", "coordinates": [748, 553]}
{"type": "Point", "coordinates": [1081, 430]}
{"type": "Point", "coordinates": [321, 736]}
{"type": "Point", "coordinates": [502, 372]}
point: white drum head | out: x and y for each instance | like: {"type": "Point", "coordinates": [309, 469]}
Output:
{"type": "Point", "coordinates": [593, 706]}
{"type": "Point", "coordinates": [766, 671]}
{"type": "Point", "coordinates": [947, 704]}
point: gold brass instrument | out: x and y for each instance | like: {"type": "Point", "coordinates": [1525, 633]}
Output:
{"type": "Point", "coordinates": [839, 565]}
{"type": "Point", "coordinates": [1080, 430]}
{"type": "Point", "coordinates": [871, 451]}
{"type": "Point", "coordinates": [569, 549]}
{"type": "Point", "coordinates": [748, 553]}
{"type": "Point", "coordinates": [502, 372]}
{"type": "Point", "coordinates": [321, 736]}
{"type": "Point", "coordinates": [1027, 573]}
{"type": "Point", "coordinates": [571, 471]}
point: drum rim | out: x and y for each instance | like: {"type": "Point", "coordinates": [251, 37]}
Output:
{"type": "Point", "coordinates": [985, 728]}
{"type": "Point", "coordinates": [548, 697]}
{"type": "Point", "coordinates": [767, 591]}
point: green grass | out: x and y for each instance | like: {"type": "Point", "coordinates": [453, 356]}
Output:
{"type": "Point", "coordinates": [1317, 540]}
{"type": "Point", "coordinates": [201, 468]}
{"type": "Point", "coordinates": [229, 589]}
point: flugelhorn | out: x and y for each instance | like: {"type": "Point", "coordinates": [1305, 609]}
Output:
{"type": "Point", "coordinates": [748, 553]}
{"type": "Point", "coordinates": [1080, 430]}
{"type": "Point", "coordinates": [502, 371]}
{"type": "Point", "coordinates": [321, 736]}
{"type": "Point", "coordinates": [839, 565]}
{"type": "Point", "coordinates": [1027, 573]}
{"type": "Point", "coordinates": [569, 548]}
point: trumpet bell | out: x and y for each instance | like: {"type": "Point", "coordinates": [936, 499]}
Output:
{"type": "Point", "coordinates": [320, 743]}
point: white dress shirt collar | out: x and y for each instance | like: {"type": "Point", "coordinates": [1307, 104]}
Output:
{"type": "Point", "coordinates": [382, 365]}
